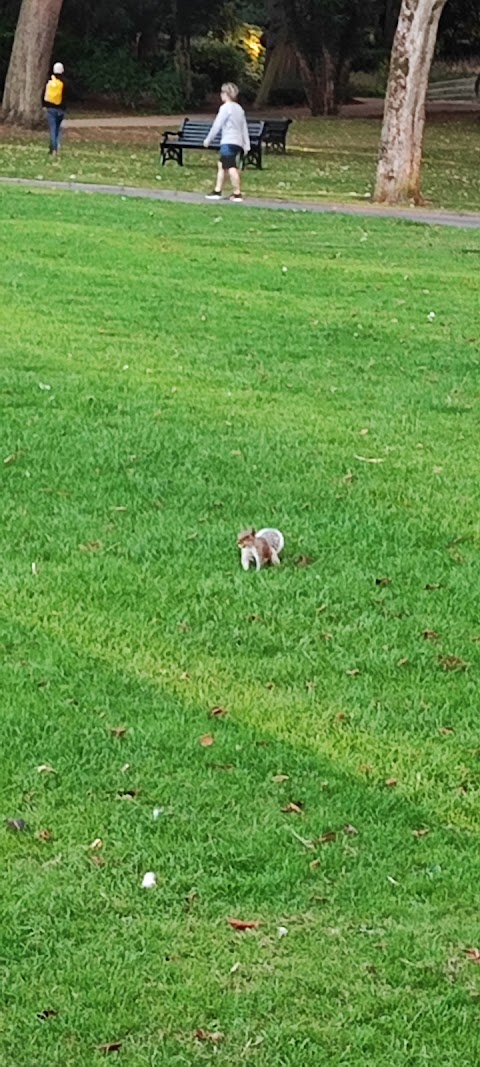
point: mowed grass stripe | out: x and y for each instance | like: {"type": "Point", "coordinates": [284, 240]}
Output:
{"type": "Point", "coordinates": [252, 414]}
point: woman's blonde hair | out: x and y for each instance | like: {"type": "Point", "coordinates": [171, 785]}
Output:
{"type": "Point", "coordinates": [230, 89]}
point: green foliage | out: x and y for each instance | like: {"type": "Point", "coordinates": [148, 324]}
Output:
{"type": "Point", "coordinates": [173, 384]}
{"type": "Point", "coordinates": [6, 41]}
{"type": "Point", "coordinates": [107, 70]}
{"type": "Point", "coordinates": [218, 61]}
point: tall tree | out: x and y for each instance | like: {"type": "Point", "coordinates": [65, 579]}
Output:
{"type": "Point", "coordinates": [29, 61]}
{"type": "Point", "coordinates": [401, 144]}
{"type": "Point", "coordinates": [325, 35]}
{"type": "Point", "coordinates": [281, 63]}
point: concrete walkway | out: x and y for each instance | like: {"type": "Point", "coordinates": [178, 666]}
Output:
{"type": "Point", "coordinates": [365, 211]}
{"type": "Point", "coordinates": [363, 108]}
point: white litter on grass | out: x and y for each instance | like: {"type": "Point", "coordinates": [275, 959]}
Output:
{"type": "Point", "coordinates": [282, 931]}
{"type": "Point", "coordinates": [149, 880]}
{"type": "Point", "coordinates": [431, 316]}
{"type": "Point", "coordinates": [43, 385]}
{"type": "Point", "coordinates": [157, 812]}
{"type": "Point", "coordinates": [34, 568]}
{"type": "Point", "coordinates": [284, 270]}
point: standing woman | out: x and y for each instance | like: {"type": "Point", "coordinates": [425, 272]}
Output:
{"type": "Point", "coordinates": [231, 124]}
{"type": "Point", "coordinates": [54, 102]}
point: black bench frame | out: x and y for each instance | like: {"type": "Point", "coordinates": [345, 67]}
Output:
{"type": "Point", "coordinates": [193, 133]}
{"type": "Point", "coordinates": [275, 134]}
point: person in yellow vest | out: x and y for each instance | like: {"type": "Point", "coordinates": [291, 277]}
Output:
{"type": "Point", "coordinates": [54, 102]}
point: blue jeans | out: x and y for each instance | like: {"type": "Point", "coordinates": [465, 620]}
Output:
{"type": "Point", "coordinates": [55, 116]}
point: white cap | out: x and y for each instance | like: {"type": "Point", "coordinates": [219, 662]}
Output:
{"type": "Point", "coordinates": [58, 68]}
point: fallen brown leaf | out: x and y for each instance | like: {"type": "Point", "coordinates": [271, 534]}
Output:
{"type": "Point", "coordinates": [294, 808]}
{"type": "Point", "coordinates": [217, 712]}
{"type": "Point", "coordinates": [353, 673]}
{"type": "Point", "coordinates": [44, 835]}
{"type": "Point", "coordinates": [430, 635]}
{"type": "Point", "coordinates": [421, 833]}
{"type": "Point", "coordinates": [111, 1046]}
{"type": "Point", "coordinates": [119, 731]}
{"type": "Point", "coordinates": [326, 637]}
{"type": "Point", "coordinates": [314, 865]}
{"type": "Point", "coordinates": [350, 830]}
{"type": "Point", "coordinates": [391, 782]}
{"type": "Point", "coordinates": [473, 954]}
{"type": "Point", "coordinates": [91, 546]}
{"type": "Point", "coordinates": [340, 716]}
{"type": "Point", "coordinates": [48, 1013]}
{"type": "Point", "coordinates": [244, 924]}
{"type": "Point", "coordinates": [280, 778]}
{"type": "Point", "coordinates": [206, 741]}
{"type": "Point", "coordinates": [221, 766]}
{"type": "Point", "coordinates": [206, 1035]}
{"type": "Point", "coordinates": [304, 561]}
{"type": "Point", "coordinates": [453, 663]}
{"type": "Point", "coordinates": [403, 662]}
{"type": "Point", "coordinates": [383, 581]}
{"type": "Point", "coordinates": [327, 837]}
{"type": "Point", "coordinates": [446, 731]}
{"type": "Point", "coordinates": [16, 825]}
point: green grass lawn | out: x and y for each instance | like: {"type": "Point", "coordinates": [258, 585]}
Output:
{"type": "Point", "coordinates": [327, 159]}
{"type": "Point", "coordinates": [164, 383]}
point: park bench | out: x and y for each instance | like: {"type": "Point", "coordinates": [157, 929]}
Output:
{"type": "Point", "coordinates": [193, 133]}
{"type": "Point", "coordinates": [275, 134]}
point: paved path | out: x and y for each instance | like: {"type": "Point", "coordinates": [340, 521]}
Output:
{"type": "Point", "coordinates": [433, 218]}
{"type": "Point", "coordinates": [362, 108]}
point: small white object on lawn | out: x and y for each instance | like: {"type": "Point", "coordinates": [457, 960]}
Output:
{"type": "Point", "coordinates": [431, 316]}
{"type": "Point", "coordinates": [282, 931]}
{"type": "Point", "coordinates": [149, 880]}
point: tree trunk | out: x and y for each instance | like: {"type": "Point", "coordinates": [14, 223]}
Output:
{"type": "Point", "coordinates": [319, 82]}
{"type": "Point", "coordinates": [400, 155]}
{"type": "Point", "coordinates": [281, 72]}
{"type": "Point", "coordinates": [29, 62]}
{"type": "Point", "coordinates": [183, 65]}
